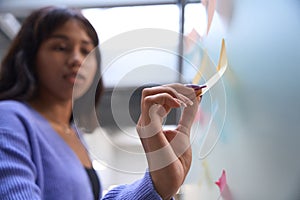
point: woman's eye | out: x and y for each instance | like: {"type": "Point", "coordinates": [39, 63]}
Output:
{"type": "Point", "coordinates": [59, 48]}
{"type": "Point", "coordinates": [85, 51]}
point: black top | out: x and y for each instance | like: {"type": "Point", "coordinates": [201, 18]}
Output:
{"type": "Point", "coordinates": [94, 182]}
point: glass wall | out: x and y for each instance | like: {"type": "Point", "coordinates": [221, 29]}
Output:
{"type": "Point", "coordinates": [142, 45]}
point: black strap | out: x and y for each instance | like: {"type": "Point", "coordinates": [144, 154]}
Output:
{"type": "Point", "coordinates": [94, 182]}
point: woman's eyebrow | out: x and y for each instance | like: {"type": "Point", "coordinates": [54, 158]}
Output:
{"type": "Point", "coordinates": [58, 36]}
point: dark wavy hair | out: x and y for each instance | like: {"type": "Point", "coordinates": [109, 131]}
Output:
{"type": "Point", "coordinates": [18, 80]}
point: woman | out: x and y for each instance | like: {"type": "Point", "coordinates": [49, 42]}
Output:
{"type": "Point", "coordinates": [41, 151]}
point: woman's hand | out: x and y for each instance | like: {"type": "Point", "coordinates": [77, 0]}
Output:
{"type": "Point", "coordinates": [168, 152]}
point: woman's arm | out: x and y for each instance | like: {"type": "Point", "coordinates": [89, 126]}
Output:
{"type": "Point", "coordinates": [168, 152]}
{"type": "Point", "coordinates": [142, 189]}
{"type": "Point", "coordinates": [17, 170]}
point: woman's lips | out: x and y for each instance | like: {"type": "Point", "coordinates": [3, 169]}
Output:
{"type": "Point", "coordinates": [74, 78]}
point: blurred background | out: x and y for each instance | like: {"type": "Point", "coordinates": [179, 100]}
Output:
{"type": "Point", "coordinates": [248, 124]}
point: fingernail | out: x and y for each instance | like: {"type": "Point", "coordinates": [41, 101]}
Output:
{"type": "Point", "coordinates": [190, 102]}
{"type": "Point", "coordinates": [181, 103]}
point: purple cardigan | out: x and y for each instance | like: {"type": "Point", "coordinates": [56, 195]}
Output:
{"type": "Point", "coordinates": [36, 163]}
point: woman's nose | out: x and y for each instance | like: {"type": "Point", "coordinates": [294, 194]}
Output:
{"type": "Point", "coordinates": [75, 59]}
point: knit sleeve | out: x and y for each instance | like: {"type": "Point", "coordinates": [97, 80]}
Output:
{"type": "Point", "coordinates": [142, 189]}
{"type": "Point", "coordinates": [17, 170]}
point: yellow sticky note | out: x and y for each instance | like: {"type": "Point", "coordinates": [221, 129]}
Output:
{"type": "Point", "coordinates": [221, 68]}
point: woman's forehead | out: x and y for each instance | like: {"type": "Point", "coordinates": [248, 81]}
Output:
{"type": "Point", "coordinates": [72, 29]}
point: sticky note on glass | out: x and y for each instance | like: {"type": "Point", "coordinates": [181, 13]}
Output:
{"type": "Point", "coordinates": [210, 6]}
{"type": "Point", "coordinates": [221, 68]}
{"type": "Point", "coordinates": [225, 193]}
{"type": "Point", "coordinates": [222, 182]}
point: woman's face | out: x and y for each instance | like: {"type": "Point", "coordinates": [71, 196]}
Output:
{"type": "Point", "coordinates": [61, 62]}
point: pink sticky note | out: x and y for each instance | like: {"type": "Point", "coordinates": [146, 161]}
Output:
{"type": "Point", "coordinates": [210, 6]}
{"type": "Point", "coordinates": [222, 182]}
{"type": "Point", "coordinates": [191, 40]}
